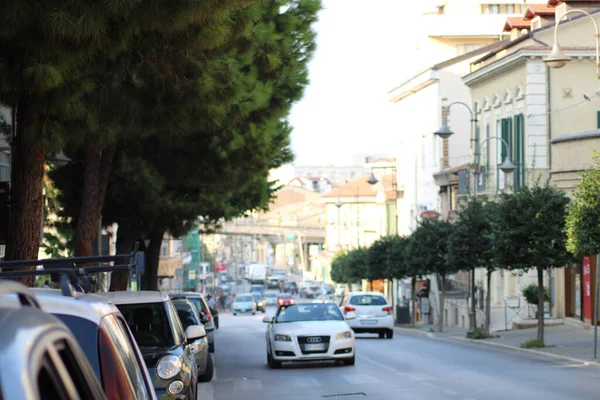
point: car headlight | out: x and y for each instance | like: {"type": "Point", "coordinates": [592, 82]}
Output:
{"type": "Point", "coordinates": [168, 367]}
{"type": "Point", "coordinates": [260, 303]}
{"type": "Point", "coordinates": [344, 335]}
{"type": "Point", "coordinates": [283, 338]}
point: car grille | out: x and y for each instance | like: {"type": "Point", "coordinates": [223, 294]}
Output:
{"type": "Point", "coordinates": [303, 340]}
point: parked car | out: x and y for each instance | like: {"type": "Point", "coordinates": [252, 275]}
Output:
{"type": "Point", "coordinates": [29, 337]}
{"type": "Point", "coordinates": [284, 299]}
{"type": "Point", "coordinates": [323, 298]}
{"type": "Point", "coordinates": [166, 347]}
{"type": "Point", "coordinates": [244, 304]}
{"type": "Point", "coordinates": [188, 315]}
{"type": "Point", "coordinates": [309, 332]}
{"type": "Point", "coordinates": [260, 302]}
{"type": "Point", "coordinates": [373, 313]}
{"type": "Point", "coordinates": [257, 288]}
{"type": "Point", "coordinates": [205, 313]}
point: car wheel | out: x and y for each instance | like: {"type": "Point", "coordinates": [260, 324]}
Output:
{"type": "Point", "coordinates": [253, 312]}
{"type": "Point", "coordinates": [273, 363]}
{"type": "Point", "coordinates": [209, 371]}
{"type": "Point", "coordinates": [381, 335]}
{"type": "Point", "coordinates": [211, 347]}
{"type": "Point", "coordinates": [234, 314]}
{"type": "Point", "coordinates": [350, 361]}
{"type": "Point", "coordinates": [390, 334]}
{"type": "Point", "coordinates": [263, 311]}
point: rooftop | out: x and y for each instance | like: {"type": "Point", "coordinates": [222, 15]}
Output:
{"type": "Point", "coordinates": [88, 306]}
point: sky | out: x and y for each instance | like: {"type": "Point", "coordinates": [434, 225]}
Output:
{"type": "Point", "coordinates": [363, 51]}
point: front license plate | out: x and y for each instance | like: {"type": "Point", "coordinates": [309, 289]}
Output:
{"type": "Point", "coordinates": [368, 321]}
{"type": "Point", "coordinates": [314, 347]}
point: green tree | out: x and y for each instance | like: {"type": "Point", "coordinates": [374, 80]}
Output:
{"type": "Point", "coordinates": [582, 227]}
{"type": "Point", "coordinates": [377, 260]}
{"type": "Point", "coordinates": [530, 234]}
{"type": "Point", "coordinates": [339, 267]}
{"type": "Point", "coordinates": [471, 247]}
{"type": "Point", "coordinates": [428, 251]}
{"type": "Point", "coordinates": [44, 49]}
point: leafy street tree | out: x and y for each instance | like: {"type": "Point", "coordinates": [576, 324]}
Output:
{"type": "Point", "coordinates": [339, 266]}
{"type": "Point", "coordinates": [582, 227]}
{"type": "Point", "coordinates": [398, 267]}
{"type": "Point", "coordinates": [428, 252]}
{"type": "Point", "coordinates": [471, 247]}
{"type": "Point", "coordinates": [530, 234]}
{"type": "Point", "coordinates": [44, 48]}
{"type": "Point", "coordinates": [377, 259]}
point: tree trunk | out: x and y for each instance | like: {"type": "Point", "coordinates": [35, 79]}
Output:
{"type": "Point", "coordinates": [541, 299]}
{"type": "Point", "coordinates": [26, 197]}
{"type": "Point", "coordinates": [488, 302]}
{"type": "Point", "coordinates": [98, 163]}
{"type": "Point", "coordinates": [125, 241]}
{"type": "Point", "coordinates": [473, 321]}
{"type": "Point", "coordinates": [413, 300]}
{"type": "Point", "coordinates": [152, 257]}
{"type": "Point", "coordinates": [442, 278]}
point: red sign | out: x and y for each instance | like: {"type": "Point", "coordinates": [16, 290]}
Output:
{"type": "Point", "coordinates": [430, 215]}
{"type": "Point", "coordinates": [587, 288]}
{"type": "Point", "coordinates": [220, 268]}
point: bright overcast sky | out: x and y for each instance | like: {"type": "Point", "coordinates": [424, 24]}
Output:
{"type": "Point", "coordinates": [364, 50]}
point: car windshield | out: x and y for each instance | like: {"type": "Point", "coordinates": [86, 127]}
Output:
{"type": "Point", "coordinates": [368, 300]}
{"type": "Point", "coordinates": [197, 301]}
{"type": "Point", "coordinates": [148, 323]}
{"type": "Point", "coordinates": [285, 296]}
{"type": "Point", "coordinates": [309, 312]}
{"type": "Point", "coordinates": [270, 295]}
{"type": "Point", "coordinates": [241, 299]}
{"type": "Point", "coordinates": [257, 296]}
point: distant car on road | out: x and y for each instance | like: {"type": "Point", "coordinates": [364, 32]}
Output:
{"type": "Point", "coordinates": [373, 313]}
{"type": "Point", "coordinates": [271, 298]}
{"type": "Point", "coordinates": [292, 288]}
{"type": "Point", "coordinates": [309, 332]}
{"type": "Point", "coordinates": [257, 288]}
{"type": "Point", "coordinates": [260, 302]}
{"type": "Point", "coordinates": [244, 304]}
{"type": "Point", "coordinates": [285, 299]}
{"type": "Point", "coordinates": [323, 298]}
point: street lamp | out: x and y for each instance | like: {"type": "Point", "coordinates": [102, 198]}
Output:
{"type": "Point", "coordinates": [558, 59]}
{"type": "Point", "coordinates": [445, 132]}
{"type": "Point", "coordinates": [372, 180]}
{"type": "Point", "coordinates": [507, 165]}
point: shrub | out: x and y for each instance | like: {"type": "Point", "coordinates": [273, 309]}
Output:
{"type": "Point", "coordinates": [530, 292]}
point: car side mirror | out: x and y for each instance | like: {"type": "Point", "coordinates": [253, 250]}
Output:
{"type": "Point", "coordinates": [194, 332]}
{"type": "Point", "coordinates": [268, 320]}
{"type": "Point", "coordinates": [350, 315]}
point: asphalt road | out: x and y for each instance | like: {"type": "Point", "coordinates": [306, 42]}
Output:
{"type": "Point", "coordinates": [406, 367]}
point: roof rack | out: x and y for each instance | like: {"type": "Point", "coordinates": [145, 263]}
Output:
{"type": "Point", "coordinates": [26, 298]}
{"type": "Point", "coordinates": [72, 279]}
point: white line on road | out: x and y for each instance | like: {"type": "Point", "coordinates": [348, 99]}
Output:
{"type": "Point", "coordinates": [428, 384]}
{"type": "Point", "coordinates": [306, 382]}
{"type": "Point", "coordinates": [450, 392]}
{"type": "Point", "coordinates": [380, 365]}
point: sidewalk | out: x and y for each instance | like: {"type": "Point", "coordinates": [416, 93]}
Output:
{"type": "Point", "coordinates": [569, 343]}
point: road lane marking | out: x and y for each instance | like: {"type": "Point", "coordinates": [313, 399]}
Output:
{"type": "Point", "coordinates": [428, 384]}
{"type": "Point", "coordinates": [450, 392]}
{"type": "Point", "coordinates": [380, 365]}
{"type": "Point", "coordinates": [306, 382]}
{"type": "Point", "coordinates": [416, 376]}
{"type": "Point", "coordinates": [247, 384]}
{"type": "Point", "coordinates": [359, 379]}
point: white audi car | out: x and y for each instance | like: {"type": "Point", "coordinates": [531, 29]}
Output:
{"type": "Point", "coordinates": [309, 332]}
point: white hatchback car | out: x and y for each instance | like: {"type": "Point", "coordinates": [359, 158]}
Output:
{"type": "Point", "coordinates": [309, 332]}
{"type": "Point", "coordinates": [373, 313]}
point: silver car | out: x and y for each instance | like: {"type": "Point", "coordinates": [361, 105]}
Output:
{"type": "Point", "coordinates": [203, 311]}
{"type": "Point", "coordinates": [189, 316]}
{"type": "Point", "coordinates": [39, 358]}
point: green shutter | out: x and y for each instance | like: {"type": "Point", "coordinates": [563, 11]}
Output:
{"type": "Point", "coordinates": [517, 150]}
{"type": "Point", "coordinates": [598, 119]}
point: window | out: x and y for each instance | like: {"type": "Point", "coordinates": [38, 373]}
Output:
{"type": "Point", "coordinates": [148, 323]}
{"type": "Point", "coordinates": [510, 9]}
{"type": "Point", "coordinates": [494, 8]}
{"type": "Point", "coordinates": [115, 378]}
{"type": "Point", "coordinates": [368, 300]}
{"type": "Point", "coordinates": [50, 386]}
{"type": "Point", "coordinates": [519, 151]}
{"type": "Point", "coordinates": [80, 376]}
{"type": "Point", "coordinates": [506, 130]}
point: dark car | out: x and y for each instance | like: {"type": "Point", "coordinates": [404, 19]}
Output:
{"type": "Point", "coordinates": [189, 316]}
{"type": "Point", "coordinates": [209, 320]}
{"type": "Point", "coordinates": [260, 302]}
{"type": "Point", "coordinates": [292, 288]}
{"type": "Point", "coordinates": [167, 349]}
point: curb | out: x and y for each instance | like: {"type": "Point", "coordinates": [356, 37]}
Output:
{"type": "Point", "coordinates": [483, 342]}
{"type": "Point", "coordinates": [519, 349]}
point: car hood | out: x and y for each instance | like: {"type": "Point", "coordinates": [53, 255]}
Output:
{"type": "Point", "coordinates": [316, 328]}
{"type": "Point", "coordinates": [152, 354]}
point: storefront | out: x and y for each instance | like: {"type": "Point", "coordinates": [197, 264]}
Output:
{"type": "Point", "coordinates": [580, 289]}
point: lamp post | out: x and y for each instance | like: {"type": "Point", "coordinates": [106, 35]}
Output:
{"type": "Point", "coordinates": [558, 59]}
